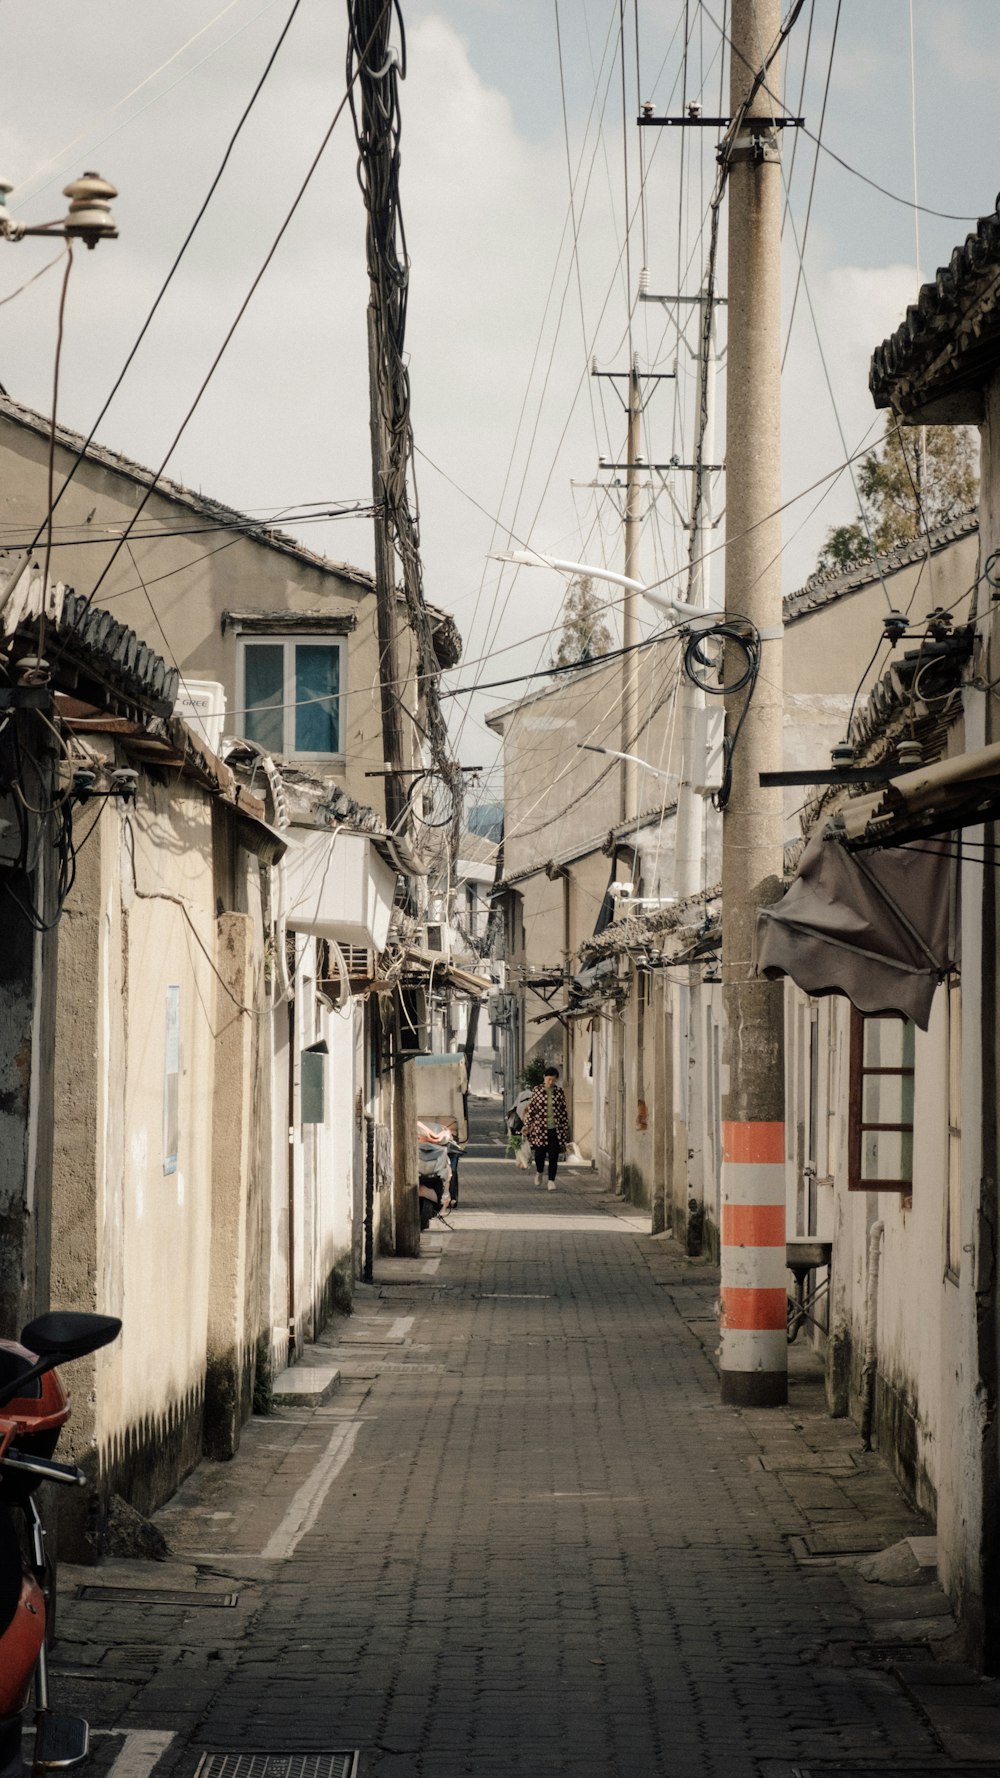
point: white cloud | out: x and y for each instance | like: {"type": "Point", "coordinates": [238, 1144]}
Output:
{"type": "Point", "coordinates": [484, 193]}
{"type": "Point", "coordinates": [855, 308]}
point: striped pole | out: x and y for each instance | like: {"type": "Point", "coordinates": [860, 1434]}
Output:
{"type": "Point", "coordinates": [754, 1356]}
{"type": "Point", "coordinates": [753, 1298]}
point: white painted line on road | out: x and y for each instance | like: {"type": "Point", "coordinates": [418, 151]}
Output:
{"type": "Point", "coordinates": [399, 1328]}
{"type": "Point", "coordinates": [141, 1751]}
{"type": "Point", "coordinates": [305, 1505]}
{"type": "Point", "coordinates": [430, 1266]}
{"type": "Point", "coordinates": [516, 1296]}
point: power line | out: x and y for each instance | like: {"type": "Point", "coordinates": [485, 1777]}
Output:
{"type": "Point", "coordinates": [272, 250]}
{"type": "Point", "coordinates": [164, 287]}
{"type": "Point", "coordinates": [29, 182]}
{"type": "Point", "coordinates": [908, 203]}
{"type": "Point", "coordinates": [812, 182]}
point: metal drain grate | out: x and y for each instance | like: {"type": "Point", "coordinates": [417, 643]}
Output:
{"type": "Point", "coordinates": [890, 1654]}
{"type": "Point", "coordinates": [158, 1596]}
{"type": "Point", "coordinates": [279, 1765]}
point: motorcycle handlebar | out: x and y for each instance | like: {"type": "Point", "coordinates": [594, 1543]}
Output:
{"type": "Point", "coordinates": [44, 1467]}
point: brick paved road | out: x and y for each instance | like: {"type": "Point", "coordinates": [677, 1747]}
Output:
{"type": "Point", "coordinates": [550, 1549]}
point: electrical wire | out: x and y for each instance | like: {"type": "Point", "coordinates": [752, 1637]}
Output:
{"type": "Point", "coordinates": [812, 182]}
{"type": "Point", "coordinates": [32, 280]}
{"type": "Point", "coordinates": [924, 209]}
{"type": "Point", "coordinates": [572, 207]}
{"type": "Point", "coordinates": [216, 361]}
{"type": "Point", "coordinates": [377, 129]}
{"type": "Point", "coordinates": [57, 361]}
{"type": "Point", "coordinates": [178, 257]}
{"type": "Point", "coordinates": [702, 669]}
{"type": "Point", "coordinates": [29, 183]}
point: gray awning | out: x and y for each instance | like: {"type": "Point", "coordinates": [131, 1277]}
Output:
{"type": "Point", "coordinates": [881, 929]}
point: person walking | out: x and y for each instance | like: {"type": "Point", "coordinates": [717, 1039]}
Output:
{"type": "Point", "coordinates": [546, 1124]}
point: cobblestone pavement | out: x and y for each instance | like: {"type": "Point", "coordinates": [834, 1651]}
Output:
{"type": "Point", "coordinates": [524, 1536]}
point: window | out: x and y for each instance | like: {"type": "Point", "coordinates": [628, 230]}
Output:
{"type": "Point", "coordinates": [291, 695]}
{"type": "Point", "coordinates": [953, 1232]}
{"type": "Point", "coordinates": [881, 1104]}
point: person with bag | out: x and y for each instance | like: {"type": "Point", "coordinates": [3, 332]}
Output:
{"type": "Point", "coordinates": [517, 1143]}
{"type": "Point", "coordinates": [546, 1124]}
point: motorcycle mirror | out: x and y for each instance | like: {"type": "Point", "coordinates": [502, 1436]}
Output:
{"type": "Point", "coordinates": [65, 1334]}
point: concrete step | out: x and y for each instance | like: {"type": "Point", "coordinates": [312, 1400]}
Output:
{"type": "Point", "coordinates": [305, 1385]}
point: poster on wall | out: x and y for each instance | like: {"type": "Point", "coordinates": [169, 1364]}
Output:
{"type": "Point", "coordinates": [171, 1079]}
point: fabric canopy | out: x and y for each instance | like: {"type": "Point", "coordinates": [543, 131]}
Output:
{"type": "Point", "coordinates": [880, 928]}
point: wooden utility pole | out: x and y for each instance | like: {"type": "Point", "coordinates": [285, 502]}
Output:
{"type": "Point", "coordinates": [754, 1355]}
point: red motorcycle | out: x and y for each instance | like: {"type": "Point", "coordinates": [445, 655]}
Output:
{"type": "Point", "coordinates": [34, 1407]}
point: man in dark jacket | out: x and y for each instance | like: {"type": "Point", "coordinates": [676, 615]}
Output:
{"type": "Point", "coordinates": [546, 1124]}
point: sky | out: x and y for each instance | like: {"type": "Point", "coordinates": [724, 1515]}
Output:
{"type": "Point", "coordinates": [516, 287]}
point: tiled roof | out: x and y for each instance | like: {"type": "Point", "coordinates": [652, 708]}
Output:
{"type": "Point", "coordinates": [223, 515]}
{"type": "Point", "coordinates": [935, 363]}
{"type": "Point", "coordinates": [824, 588]}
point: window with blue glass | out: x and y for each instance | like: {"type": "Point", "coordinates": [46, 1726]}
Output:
{"type": "Point", "coordinates": [291, 695]}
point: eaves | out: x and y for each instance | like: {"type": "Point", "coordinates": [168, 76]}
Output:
{"type": "Point", "coordinates": [821, 590]}
{"type": "Point", "coordinates": [935, 364]}
{"type": "Point", "coordinates": [226, 517]}
{"type": "Point", "coordinates": [604, 843]}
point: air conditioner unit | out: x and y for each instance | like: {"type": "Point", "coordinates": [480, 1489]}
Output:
{"type": "Point", "coordinates": [201, 703]}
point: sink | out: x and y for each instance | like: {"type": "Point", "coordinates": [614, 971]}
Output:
{"type": "Point", "coordinates": [802, 1256]}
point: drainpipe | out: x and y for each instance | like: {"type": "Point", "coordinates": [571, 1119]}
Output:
{"type": "Point", "coordinates": [871, 1334]}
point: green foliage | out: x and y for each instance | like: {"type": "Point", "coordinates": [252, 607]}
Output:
{"type": "Point", "coordinates": [585, 633]}
{"type": "Point", "coordinates": [533, 1072]}
{"type": "Point", "coordinates": [919, 476]}
{"type": "Point", "coordinates": [844, 544]}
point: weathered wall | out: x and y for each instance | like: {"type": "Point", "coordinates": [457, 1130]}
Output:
{"type": "Point", "coordinates": [161, 1241]}
{"type": "Point", "coordinates": [199, 571]}
{"type": "Point", "coordinates": [320, 1205]}
{"type": "Point", "coordinates": [557, 795]}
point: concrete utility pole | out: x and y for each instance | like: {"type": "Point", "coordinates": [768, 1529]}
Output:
{"type": "Point", "coordinates": [633, 466]}
{"type": "Point", "coordinates": [754, 1355]}
{"type": "Point", "coordinates": [689, 825]}
{"type": "Point", "coordinates": [630, 615]}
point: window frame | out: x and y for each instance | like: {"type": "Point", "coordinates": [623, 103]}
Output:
{"type": "Point", "coordinates": [289, 641]}
{"type": "Point", "coordinates": [857, 1127]}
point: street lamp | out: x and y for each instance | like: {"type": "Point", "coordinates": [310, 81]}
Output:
{"type": "Point", "coordinates": [530, 558]}
{"type": "Point", "coordinates": [688, 854]}
{"type": "Point", "coordinates": [614, 753]}
{"type": "Point", "coordinates": [88, 219]}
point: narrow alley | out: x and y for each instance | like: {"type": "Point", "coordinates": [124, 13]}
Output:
{"type": "Point", "coordinates": [523, 1535]}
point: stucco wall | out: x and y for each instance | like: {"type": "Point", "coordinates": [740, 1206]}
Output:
{"type": "Point", "coordinates": [194, 570]}
{"type": "Point", "coordinates": [556, 793]}
{"type": "Point", "coordinates": [132, 1227]}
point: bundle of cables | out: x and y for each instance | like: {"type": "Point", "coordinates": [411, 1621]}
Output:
{"type": "Point", "coordinates": [723, 659]}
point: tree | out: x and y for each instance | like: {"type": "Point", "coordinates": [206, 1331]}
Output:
{"type": "Point", "coordinates": [585, 633]}
{"type": "Point", "coordinates": [918, 477]}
